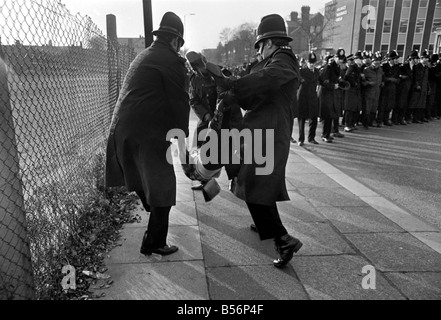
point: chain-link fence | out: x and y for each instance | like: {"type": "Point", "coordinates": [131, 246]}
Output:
{"type": "Point", "coordinates": [59, 82]}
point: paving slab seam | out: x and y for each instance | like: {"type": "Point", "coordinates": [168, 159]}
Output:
{"type": "Point", "coordinates": [359, 253]}
{"type": "Point", "coordinates": [375, 232]}
{"type": "Point", "coordinates": [411, 271]}
{"type": "Point", "coordinates": [207, 280]}
{"type": "Point", "coordinates": [387, 208]}
{"type": "Point", "coordinates": [153, 262]}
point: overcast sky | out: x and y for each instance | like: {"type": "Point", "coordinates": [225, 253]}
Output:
{"type": "Point", "coordinates": [202, 29]}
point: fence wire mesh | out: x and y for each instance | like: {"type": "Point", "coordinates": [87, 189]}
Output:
{"type": "Point", "coordinates": [60, 79]}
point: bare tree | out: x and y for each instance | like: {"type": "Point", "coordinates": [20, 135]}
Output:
{"type": "Point", "coordinates": [226, 35]}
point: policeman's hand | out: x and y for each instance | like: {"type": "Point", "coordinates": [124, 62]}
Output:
{"type": "Point", "coordinates": [336, 86]}
{"type": "Point", "coordinates": [228, 98]}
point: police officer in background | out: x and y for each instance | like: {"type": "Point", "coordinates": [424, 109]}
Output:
{"type": "Point", "coordinates": [433, 83]}
{"type": "Point", "coordinates": [391, 70]}
{"type": "Point", "coordinates": [367, 62]}
{"type": "Point", "coordinates": [436, 111]}
{"type": "Point", "coordinates": [372, 83]}
{"type": "Point", "coordinates": [339, 95]}
{"type": "Point", "coordinates": [401, 111]}
{"type": "Point", "coordinates": [308, 100]}
{"type": "Point", "coordinates": [418, 91]}
{"type": "Point", "coordinates": [353, 103]}
{"type": "Point", "coordinates": [328, 81]}
{"type": "Point", "coordinates": [425, 61]}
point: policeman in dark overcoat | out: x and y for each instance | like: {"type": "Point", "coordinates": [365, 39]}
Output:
{"type": "Point", "coordinates": [433, 84]}
{"type": "Point", "coordinates": [372, 83]}
{"type": "Point", "coordinates": [328, 84]}
{"type": "Point", "coordinates": [403, 92]}
{"type": "Point", "coordinates": [437, 103]}
{"type": "Point", "coordinates": [353, 103]}
{"type": "Point", "coordinates": [339, 94]}
{"type": "Point", "coordinates": [153, 101]}
{"type": "Point", "coordinates": [418, 90]}
{"type": "Point", "coordinates": [391, 70]}
{"type": "Point", "coordinates": [267, 94]}
{"type": "Point", "coordinates": [308, 100]}
{"type": "Point", "coordinates": [425, 61]}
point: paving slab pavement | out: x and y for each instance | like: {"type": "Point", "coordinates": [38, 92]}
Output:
{"type": "Point", "coordinates": [345, 227]}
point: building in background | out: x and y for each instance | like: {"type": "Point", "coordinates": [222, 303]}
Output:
{"type": "Point", "coordinates": [438, 41]}
{"type": "Point", "coordinates": [307, 31]}
{"type": "Point", "coordinates": [382, 25]}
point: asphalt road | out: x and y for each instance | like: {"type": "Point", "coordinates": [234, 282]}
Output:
{"type": "Point", "coordinates": [401, 163]}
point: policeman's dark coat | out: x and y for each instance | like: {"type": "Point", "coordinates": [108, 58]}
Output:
{"type": "Point", "coordinates": [437, 102]}
{"type": "Point", "coordinates": [152, 101]}
{"type": "Point", "coordinates": [419, 88]}
{"type": "Point", "coordinates": [404, 88]}
{"type": "Point", "coordinates": [307, 94]}
{"type": "Point", "coordinates": [372, 84]}
{"type": "Point", "coordinates": [353, 95]}
{"type": "Point", "coordinates": [339, 95]}
{"type": "Point", "coordinates": [329, 77]}
{"type": "Point", "coordinates": [268, 94]}
{"type": "Point", "coordinates": [433, 80]}
{"type": "Point", "coordinates": [391, 82]}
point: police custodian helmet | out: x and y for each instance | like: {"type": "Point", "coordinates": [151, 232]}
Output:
{"type": "Point", "coordinates": [171, 24]}
{"type": "Point", "coordinates": [271, 26]}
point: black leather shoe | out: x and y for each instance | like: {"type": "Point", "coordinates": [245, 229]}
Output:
{"type": "Point", "coordinates": [166, 251]}
{"type": "Point", "coordinates": [338, 135]}
{"type": "Point", "coordinates": [253, 228]}
{"type": "Point", "coordinates": [313, 142]}
{"type": "Point", "coordinates": [286, 246]}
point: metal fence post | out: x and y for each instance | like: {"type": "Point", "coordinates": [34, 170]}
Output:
{"type": "Point", "coordinates": [148, 22]}
{"type": "Point", "coordinates": [16, 275]}
{"type": "Point", "coordinates": [112, 54]}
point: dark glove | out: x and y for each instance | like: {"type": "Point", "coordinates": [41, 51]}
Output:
{"type": "Point", "coordinates": [228, 98]}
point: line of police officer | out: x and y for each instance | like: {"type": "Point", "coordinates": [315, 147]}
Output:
{"type": "Point", "coordinates": [367, 89]}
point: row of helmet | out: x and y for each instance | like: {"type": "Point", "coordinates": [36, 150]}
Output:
{"type": "Point", "coordinates": [377, 56]}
